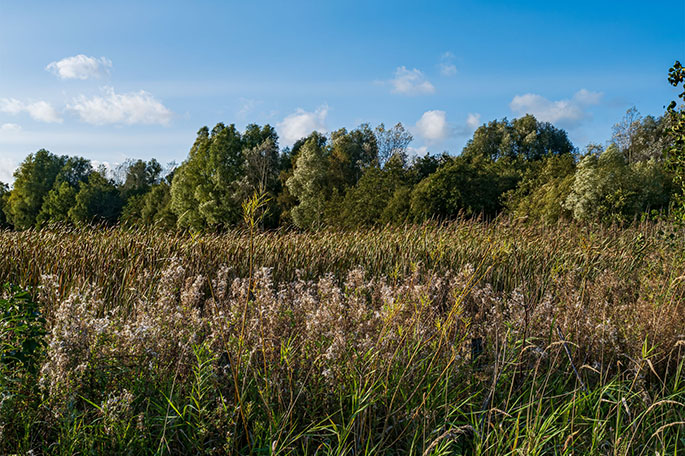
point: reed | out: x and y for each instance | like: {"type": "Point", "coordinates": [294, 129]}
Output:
{"type": "Point", "coordinates": [327, 342]}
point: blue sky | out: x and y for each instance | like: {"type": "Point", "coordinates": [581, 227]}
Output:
{"type": "Point", "coordinates": [116, 80]}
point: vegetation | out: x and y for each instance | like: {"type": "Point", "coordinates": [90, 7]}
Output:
{"type": "Point", "coordinates": [363, 178]}
{"type": "Point", "coordinates": [466, 338]}
{"type": "Point", "coordinates": [676, 77]}
{"type": "Point", "coordinates": [339, 298]}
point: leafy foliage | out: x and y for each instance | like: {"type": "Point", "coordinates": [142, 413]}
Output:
{"type": "Point", "coordinates": [98, 201]}
{"type": "Point", "coordinates": [361, 177]}
{"type": "Point", "coordinates": [4, 195]}
{"type": "Point", "coordinates": [543, 189]}
{"type": "Point", "coordinates": [641, 139]}
{"type": "Point", "coordinates": [462, 186]}
{"type": "Point", "coordinates": [33, 180]}
{"type": "Point", "coordinates": [309, 184]}
{"type": "Point", "coordinates": [608, 188]}
{"type": "Point", "coordinates": [22, 331]}
{"type": "Point", "coordinates": [676, 76]}
{"type": "Point", "coordinates": [524, 138]}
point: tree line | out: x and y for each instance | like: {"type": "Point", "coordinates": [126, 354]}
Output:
{"type": "Point", "coordinates": [365, 177]}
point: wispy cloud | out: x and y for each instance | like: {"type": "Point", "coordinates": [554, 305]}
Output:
{"type": "Point", "coordinates": [247, 105]}
{"type": "Point", "coordinates": [568, 112]}
{"type": "Point", "coordinates": [10, 128]}
{"type": "Point", "coordinates": [126, 108]}
{"type": "Point", "coordinates": [38, 110]}
{"type": "Point", "coordinates": [447, 67]}
{"type": "Point", "coordinates": [301, 123]}
{"type": "Point", "coordinates": [80, 67]}
{"type": "Point", "coordinates": [411, 82]}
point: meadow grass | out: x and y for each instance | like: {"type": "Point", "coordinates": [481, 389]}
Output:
{"type": "Point", "coordinates": [501, 337]}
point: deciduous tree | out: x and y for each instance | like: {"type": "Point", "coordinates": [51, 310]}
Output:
{"type": "Point", "coordinates": [32, 181]}
{"type": "Point", "coordinates": [98, 201]}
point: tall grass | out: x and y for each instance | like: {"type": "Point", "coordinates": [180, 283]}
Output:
{"type": "Point", "coordinates": [465, 338]}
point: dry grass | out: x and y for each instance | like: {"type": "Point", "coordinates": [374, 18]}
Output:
{"type": "Point", "coordinates": [355, 342]}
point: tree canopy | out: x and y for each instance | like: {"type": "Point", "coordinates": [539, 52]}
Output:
{"type": "Point", "coordinates": [366, 177]}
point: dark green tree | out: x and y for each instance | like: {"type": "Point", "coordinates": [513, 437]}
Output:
{"type": "Point", "coordinates": [222, 169]}
{"type": "Point", "coordinates": [139, 177]}
{"type": "Point", "coordinates": [75, 171]}
{"type": "Point", "coordinates": [4, 195]}
{"type": "Point", "coordinates": [156, 207]}
{"type": "Point", "coordinates": [470, 187]}
{"type": "Point", "coordinates": [32, 181]}
{"type": "Point", "coordinates": [365, 203]}
{"type": "Point", "coordinates": [260, 175]}
{"type": "Point", "coordinates": [190, 184]}
{"type": "Point", "coordinates": [524, 138]}
{"type": "Point", "coordinates": [543, 189]}
{"type": "Point", "coordinates": [350, 154]}
{"type": "Point", "coordinates": [203, 186]}
{"type": "Point", "coordinates": [422, 167]}
{"type": "Point", "coordinates": [62, 196]}
{"type": "Point", "coordinates": [97, 201]}
{"type": "Point", "coordinates": [57, 204]}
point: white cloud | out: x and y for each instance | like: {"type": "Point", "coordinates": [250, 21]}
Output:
{"type": "Point", "coordinates": [39, 110]}
{"type": "Point", "coordinates": [11, 105]}
{"type": "Point", "coordinates": [80, 67]}
{"type": "Point", "coordinates": [127, 108]}
{"type": "Point", "coordinates": [7, 167]}
{"type": "Point", "coordinates": [411, 82]}
{"type": "Point", "coordinates": [473, 120]}
{"type": "Point", "coordinates": [10, 128]}
{"type": "Point", "coordinates": [417, 151]}
{"type": "Point", "coordinates": [110, 168]}
{"type": "Point", "coordinates": [301, 123]}
{"type": "Point", "coordinates": [432, 126]}
{"type": "Point", "coordinates": [569, 112]}
{"type": "Point", "coordinates": [43, 111]}
{"type": "Point", "coordinates": [585, 97]}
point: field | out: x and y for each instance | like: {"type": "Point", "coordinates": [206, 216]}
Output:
{"type": "Point", "coordinates": [473, 337]}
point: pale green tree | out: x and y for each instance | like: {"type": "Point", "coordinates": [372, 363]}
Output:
{"type": "Point", "coordinates": [392, 142]}
{"type": "Point", "coordinates": [641, 138]}
{"type": "Point", "coordinates": [308, 184]}
{"type": "Point", "coordinates": [608, 188]}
